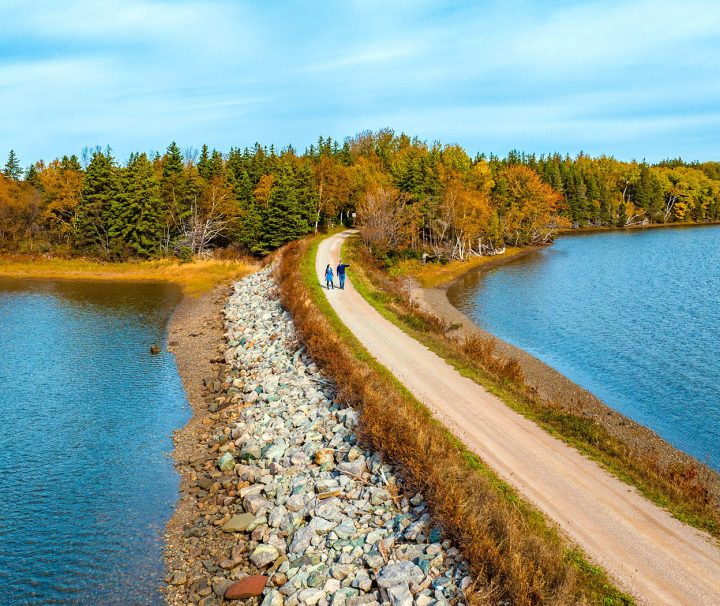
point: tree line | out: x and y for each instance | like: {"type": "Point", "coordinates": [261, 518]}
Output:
{"type": "Point", "coordinates": [403, 193]}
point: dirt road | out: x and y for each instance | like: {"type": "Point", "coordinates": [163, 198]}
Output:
{"type": "Point", "coordinates": [651, 555]}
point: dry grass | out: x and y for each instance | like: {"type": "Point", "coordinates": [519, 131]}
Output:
{"type": "Point", "coordinates": [194, 277]}
{"type": "Point", "coordinates": [687, 490]}
{"type": "Point", "coordinates": [515, 557]}
{"type": "Point", "coordinates": [431, 275]}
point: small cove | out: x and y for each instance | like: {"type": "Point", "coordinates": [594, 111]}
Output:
{"type": "Point", "coordinates": [86, 419]}
{"type": "Point", "coordinates": [630, 316]}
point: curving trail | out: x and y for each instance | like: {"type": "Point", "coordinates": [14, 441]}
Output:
{"type": "Point", "coordinates": [651, 555]}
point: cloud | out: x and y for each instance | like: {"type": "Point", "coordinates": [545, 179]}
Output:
{"type": "Point", "coordinates": [632, 78]}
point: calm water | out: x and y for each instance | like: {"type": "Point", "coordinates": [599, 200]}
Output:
{"type": "Point", "coordinates": [86, 415]}
{"type": "Point", "coordinates": [630, 316]}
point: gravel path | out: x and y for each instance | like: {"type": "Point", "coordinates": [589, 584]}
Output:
{"type": "Point", "coordinates": [654, 557]}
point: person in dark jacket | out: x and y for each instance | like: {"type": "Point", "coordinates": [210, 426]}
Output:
{"type": "Point", "coordinates": [341, 273]}
{"type": "Point", "coordinates": [329, 277]}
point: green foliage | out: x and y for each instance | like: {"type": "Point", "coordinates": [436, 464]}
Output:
{"type": "Point", "coordinates": [94, 215]}
{"type": "Point", "coordinates": [12, 169]}
{"type": "Point", "coordinates": [422, 198]}
{"type": "Point", "coordinates": [137, 218]}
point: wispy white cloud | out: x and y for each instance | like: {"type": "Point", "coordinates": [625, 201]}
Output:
{"type": "Point", "coordinates": [633, 78]}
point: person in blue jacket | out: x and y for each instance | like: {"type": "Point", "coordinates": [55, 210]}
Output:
{"type": "Point", "coordinates": [329, 277]}
{"type": "Point", "coordinates": [341, 273]}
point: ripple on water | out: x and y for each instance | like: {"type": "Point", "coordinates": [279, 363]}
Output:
{"type": "Point", "coordinates": [86, 416]}
{"type": "Point", "coordinates": [630, 316]}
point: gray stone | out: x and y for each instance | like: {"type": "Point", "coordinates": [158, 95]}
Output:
{"type": "Point", "coordinates": [346, 529]}
{"type": "Point", "coordinates": [374, 559]}
{"type": "Point", "coordinates": [311, 596]}
{"type": "Point", "coordinates": [254, 503]}
{"type": "Point", "coordinates": [401, 572]}
{"type": "Point", "coordinates": [301, 540]}
{"type": "Point", "coordinates": [355, 468]}
{"type": "Point", "coordinates": [264, 555]}
{"type": "Point", "coordinates": [295, 502]}
{"type": "Point", "coordinates": [400, 595]}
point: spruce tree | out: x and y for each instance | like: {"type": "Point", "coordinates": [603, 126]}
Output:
{"type": "Point", "coordinates": [649, 193]}
{"type": "Point", "coordinates": [12, 169]}
{"type": "Point", "coordinates": [93, 220]}
{"type": "Point", "coordinates": [285, 218]}
{"type": "Point", "coordinates": [32, 177]}
{"type": "Point", "coordinates": [137, 217]}
{"type": "Point", "coordinates": [71, 163]}
{"type": "Point", "coordinates": [203, 164]}
{"type": "Point", "coordinates": [174, 189]}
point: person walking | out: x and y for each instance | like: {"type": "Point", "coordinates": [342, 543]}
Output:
{"type": "Point", "coordinates": [329, 277]}
{"type": "Point", "coordinates": [341, 273]}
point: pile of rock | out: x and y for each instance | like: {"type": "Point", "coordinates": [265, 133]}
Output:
{"type": "Point", "coordinates": [287, 492]}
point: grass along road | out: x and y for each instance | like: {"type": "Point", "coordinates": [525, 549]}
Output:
{"type": "Point", "coordinates": [652, 555]}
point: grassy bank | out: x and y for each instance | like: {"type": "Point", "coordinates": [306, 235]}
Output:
{"type": "Point", "coordinates": [432, 275]}
{"type": "Point", "coordinates": [194, 277]}
{"type": "Point", "coordinates": [684, 489]}
{"type": "Point", "coordinates": [516, 557]}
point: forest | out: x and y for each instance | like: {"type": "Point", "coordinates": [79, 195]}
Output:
{"type": "Point", "coordinates": [407, 197]}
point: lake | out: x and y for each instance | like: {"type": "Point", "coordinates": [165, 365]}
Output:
{"type": "Point", "coordinates": [631, 316]}
{"type": "Point", "coordinates": [86, 417]}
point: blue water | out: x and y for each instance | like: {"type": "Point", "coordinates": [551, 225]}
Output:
{"type": "Point", "coordinates": [86, 416]}
{"type": "Point", "coordinates": [631, 316]}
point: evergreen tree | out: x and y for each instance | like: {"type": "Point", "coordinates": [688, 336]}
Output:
{"type": "Point", "coordinates": [93, 220]}
{"type": "Point", "coordinates": [622, 215]}
{"type": "Point", "coordinates": [174, 190]}
{"type": "Point", "coordinates": [249, 223]}
{"type": "Point", "coordinates": [286, 217]}
{"type": "Point", "coordinates": [71, 163]}
{"type": "Point", "coordinates": [32, 177]}
{"type": "Point", "coordinates": [137, 217]}
{"type": "Point", "coordinates": [649, 193]}
{"type": "Point", "coordinates": [12, 169]}
{"type": "Point", "coordinates": [174, 162]}
{"type": "Point", "coordinates": [203, 164]}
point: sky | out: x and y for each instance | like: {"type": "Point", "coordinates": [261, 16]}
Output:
{"type": "Point", "coordinates": [633, 79]}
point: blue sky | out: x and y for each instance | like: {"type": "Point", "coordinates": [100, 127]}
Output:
{"type": "Point", "coordinates": [630, 79]}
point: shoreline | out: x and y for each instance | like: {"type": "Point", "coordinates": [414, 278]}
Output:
{"type": "Point", "coordinates": [636, 226]}
{"type": "Point", "coordinates": [552, 385]}
{"type": "Point", "coordinates": [193, 278]}
{"type": "Point", "coordinates": [195, 337]}
{"type": "Point", "coordinates": [270, 440]}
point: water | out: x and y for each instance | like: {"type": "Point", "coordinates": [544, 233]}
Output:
{"type": "Point", "coordinates": [86, 416]}
{"type": "Point", "coordinates": [631, 316]}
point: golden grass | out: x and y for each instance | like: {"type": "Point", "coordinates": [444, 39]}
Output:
{"type": "Point", "coordinates": [194, 277]}
{"type": "Point", "coordinates": [432, 275]}
{"type": "Point", "coordinates": [686, 490]}
{"type": "Point", "coordinates": [515, 557]}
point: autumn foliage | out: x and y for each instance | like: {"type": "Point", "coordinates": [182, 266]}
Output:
{"type": "Point", "coordinates": [407, 197]}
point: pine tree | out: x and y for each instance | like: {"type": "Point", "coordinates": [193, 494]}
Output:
{"type": "Point", "coordinates": [174, 191]}
{"type": "Point", "coordinates": [12, 169]}
{"type": "Point", "coordinates": [285, 218]}
{"type": "Point", "coordinates": [203, 164]}
{"type": "Point", "coordinates": [137, 216]}
{"type": "Point", "coordinates": [649, 192]}
{"type": "Point", "coordinates": [622, 215]}
{"type": "Point", "coordinates": [32, 177]}
{"type": "Point", "coordinates": [93, 220]}
{"type": "Point", "coordinates": [71, 163]}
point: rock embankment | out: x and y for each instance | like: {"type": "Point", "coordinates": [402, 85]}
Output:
{"type": "Point", "coordinates": [289, 504]}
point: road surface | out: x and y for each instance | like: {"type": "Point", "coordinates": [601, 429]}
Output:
{"type": "Point", "coordinates": [649, 554]}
